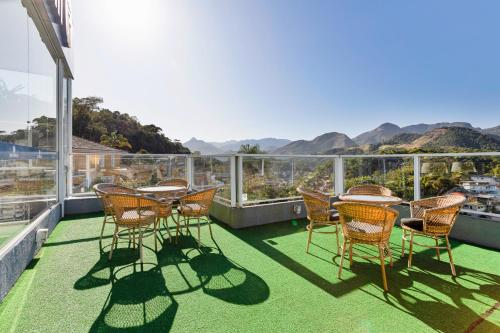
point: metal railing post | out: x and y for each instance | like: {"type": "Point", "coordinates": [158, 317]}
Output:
{"type": "Point", "coordinates": [339, 175]}
{"type": "Point", "coordinates": [416, 177]}
{"type": "Point", "coordinates": [189, 170]}
{"type": "Point", "coordinates": [233, 181]}
{"type": "Point", "coordinates": [240, 181]}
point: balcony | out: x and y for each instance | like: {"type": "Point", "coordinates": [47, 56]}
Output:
{"type": "Point", "coordinates": [254, 275]}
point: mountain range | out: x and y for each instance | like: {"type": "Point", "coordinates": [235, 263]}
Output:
{"type": "Point", "coordinates": [232, 146]}
{"type": "Point", "coordinates": [438, 136]}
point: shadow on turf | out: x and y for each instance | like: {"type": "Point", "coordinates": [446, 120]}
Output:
{"type": "Point", "coordinates": [404, 293]}
{"type": "Point", "coordinates": [140, 300]}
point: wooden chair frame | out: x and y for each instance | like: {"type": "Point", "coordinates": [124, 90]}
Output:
{"type": "Point", "coordinates": [437, 215]}
{"type": "Point", "coordinates": [319, 213]}
{"type": "Point", "coordinates": [202, 201]}
{"type": "Point", "coordinates": [366, 224]}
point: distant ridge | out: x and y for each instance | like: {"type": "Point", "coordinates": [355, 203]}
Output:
{"type": "Point", "coordinates": [322, 143]}
{"type": "Point", "coordinates": [232, 146]}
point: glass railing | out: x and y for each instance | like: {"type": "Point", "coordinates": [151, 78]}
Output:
{"type": "Point", "coordinates": [208, 171]}
{"type": "Point", "coordinates": [27, 187]}
{"type": "Point", "coordinates": [268, 178]}
{"type": "Point", "coordinates": [393, 172]}
{"type": "Point", "coordinates": [131, 170]}
{"type": "Point", "coordinates": [476, 176]}
{"type": "Point", "coordinates": [256, 179]}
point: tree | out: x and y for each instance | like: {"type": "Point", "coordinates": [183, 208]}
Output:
{"type": "Point", "coordinates": [115, 140]}
{"type": "Point", "coordinates": [250, 149]}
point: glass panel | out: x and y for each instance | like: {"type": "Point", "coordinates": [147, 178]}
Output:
{"type": "Point", "coordinates": [213, 171]}
{"type": "Point", "coordinates": [127, 170]}
{"type": "Point", "coordinates": [28, 112]}
{"type": "Point", "coordinates": [272, 178]}
{"type": "Point", "coordinates": [475, 176]}
{"type": "Point", "coordinates": [395, 173]}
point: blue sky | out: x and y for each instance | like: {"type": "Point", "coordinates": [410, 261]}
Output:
{"type": "Point", "coordinates": [233, 69]}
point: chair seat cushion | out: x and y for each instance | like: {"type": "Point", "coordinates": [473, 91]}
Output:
{"type": "Point", "coordinates": [412, 223]}
{"type": "Point", "coordinates": [190, 209]}
{"type": "Point", "coordinates": [134, 215]}
{"type": "Point", "coordinates": [363, 227]}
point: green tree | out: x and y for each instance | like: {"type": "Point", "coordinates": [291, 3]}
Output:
{"type": "Point", "coordinates": [250, 149]}
{"type": "Point", "coordinates": [115, 140]}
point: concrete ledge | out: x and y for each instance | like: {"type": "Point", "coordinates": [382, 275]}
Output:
{"type": "Point", "coordinates": [82, 205]}
{"type": "Point", "coordinates": [18, 253]}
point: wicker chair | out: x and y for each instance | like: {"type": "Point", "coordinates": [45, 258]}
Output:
{"type": "Point", "coordinates": [319, 213]}
{"type": "Point", "coordinates": [195, 206]}
{"type": "Point", "coordinates": [173, 197]}
{"type": "Point", "coordinates": [134, 212]}
{"type": "Point", "coordinates": [100, 191]}
{"type": "Point", "coordinates": [366, 224]}
{"type": "Point", "coordinates": [369, 189]}
{"type": "Point", "coordinates": [434, 218]}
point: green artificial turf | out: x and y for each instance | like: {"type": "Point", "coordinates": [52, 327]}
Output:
{"type": "Point", "coordinates": [252, 280]}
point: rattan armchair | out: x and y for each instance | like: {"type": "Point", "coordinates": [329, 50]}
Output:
{"type": "Point", "coordinates": [134, 213]}
{"type": "Point", "coordinates": [100, 191]}
{"type": "Point", "coordinates": [434, 218]}
{"type": "Point", "coordinates": [369, 189]}
{"type": "Point", "coordinates": [195, 206]}
{"type": "Point", "coordinates": [366, 224]}
{"type": "Point", "coordinates": [173, 197]}
{"type": "Point", "coordinates": [319, 213]}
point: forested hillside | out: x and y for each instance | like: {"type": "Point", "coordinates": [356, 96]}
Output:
{"type": "Point", "coordinates": [119, 130]}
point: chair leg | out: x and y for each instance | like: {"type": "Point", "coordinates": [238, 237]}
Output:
{"type": "Point", "coordinates": [411, 249]}
{"type": "Point", "coordinates": [382, 266]}
{"type": "Point", "coordinates": [113, 242]}
{"type": "Point", "coordinates": [337, 237]}
{"type": "Point", "coordinates": [448, 247]}
{"type": "Point", "coordinates": [390, 254]}
{"type": "Point", "coordinates": [157, 223]}
{"type": "Point", "coordinates": [133, 238]}
{"type": "Point", "coordinates": [199, 239]}
{"type": "Point", "coordinates": [437, 248]}
{"type": "Point", "coordinates": [350, 255]}
{"type": "Point", "coordinates": [165, 223]}
{"type": "Point", "coordinates": [103, 225]}
{"type": "Point", "coordinates": [342, 257]}
{"type": "Point", "coordinates": [210, 227]}
{"type": "Point", "coordinates": [177, 231]}
{"type": "Point", "coordinates": [403, 244]}
{"type": "Point", "coordinates": [141, 252]}
{"type": "Point", "coordinates": [309, 236]}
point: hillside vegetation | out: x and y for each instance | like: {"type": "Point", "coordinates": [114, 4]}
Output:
{"type": "Point", "coordinates": [116, 129]}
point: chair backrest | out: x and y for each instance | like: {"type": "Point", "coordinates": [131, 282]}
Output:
{"type": "Point", "coordinates": [369, 189]}
{"type": "Point", "coordinates": [174, 195]}
{"type": "Point", "coordinates": [102, 189]}
{"type": "Point", "coordinates": [173, 182]}
{"type": "Point", "coordinates": [439, 213]}
{"type": "Point", "coordinates": [203, 198]}
{"type": "Point", "coordinates": [366, 223]}
{"type": "Point", "coordinates": [133, 209]}
{"type": "Point", "coordinates": [317, 205]}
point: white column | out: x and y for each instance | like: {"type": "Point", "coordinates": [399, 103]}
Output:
{"type": "Point", "coordinates": [240, 181]}
{"type": "Point", "coordinates": [416, 177]}
{"type": "Point", "coordinates": [233, 181]}
{"type": "Point", "coordinates": [339, 175]}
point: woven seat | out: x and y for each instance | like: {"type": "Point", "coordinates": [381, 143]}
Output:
{"type": "Point", "coordinates": [366, 224]}
{"type": "Point", "coordinates": [319, 213]}
{"type": "Point", "coordinates": [433, 218]}
{"type": "Point", "coordinates": [369, 189]}
{"type": "Point", "coordinates": [134, 212]}
{"type": "Point", "coordinates": [100, 191]}
{"type": "Point", "coordinates": [195, 206]}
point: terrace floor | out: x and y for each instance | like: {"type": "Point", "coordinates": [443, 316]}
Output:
{"type": "Point", "coordinates": [252, 280]}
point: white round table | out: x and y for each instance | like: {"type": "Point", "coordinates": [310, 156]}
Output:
{"type": "Point", "coordinates": [372, 199]}
{"type": "Point", "coordinates": [160, 189]}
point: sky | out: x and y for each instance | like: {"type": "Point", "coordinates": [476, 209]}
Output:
{"type": "Point", "coordinates": [240, 69]}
